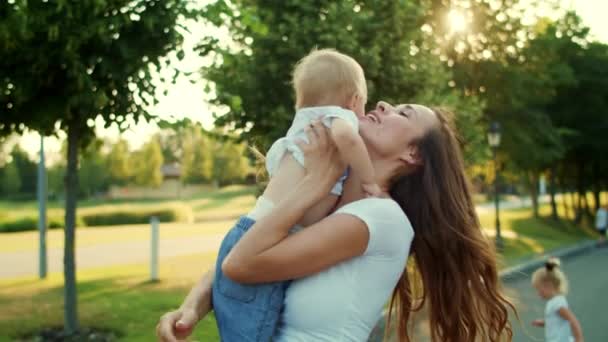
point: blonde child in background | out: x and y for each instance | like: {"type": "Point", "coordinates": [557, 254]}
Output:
{"type": "Point", "coordinates": [560, 322]}
{"type": "Point", "coordinates": [330, 88]}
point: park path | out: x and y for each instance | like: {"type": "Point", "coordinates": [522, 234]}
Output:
{"type": "Point", "coordinates": [110, 253]}
{"type": "Point", "coordinates": [588, 300]}
{"type": "Point", "coordinates": [135, 248]}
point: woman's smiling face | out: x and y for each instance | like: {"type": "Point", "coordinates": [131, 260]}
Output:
{"type": "Point", "coordinates": [390, 131]}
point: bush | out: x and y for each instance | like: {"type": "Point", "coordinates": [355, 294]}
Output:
{"type": "Point", "coordinates": [118, 217]}
{"type": "Point", "coordinates": [101, 217]}
{"type": "Point", "coordinates": [23, 224]}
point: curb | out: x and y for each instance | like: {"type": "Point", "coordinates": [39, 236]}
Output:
{"type": "Point", "coordinates": [511, 273]}
{"type": "Point", "coordinates": [524, 269]}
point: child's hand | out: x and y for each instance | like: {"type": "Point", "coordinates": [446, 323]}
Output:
{"type": "Point", "coordinates": [538, 323]}
{"type": "Point", "coordinates": [372, 190]}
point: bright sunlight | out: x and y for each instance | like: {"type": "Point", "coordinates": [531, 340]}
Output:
{"type": "Point", "coordinates": [457, 21]}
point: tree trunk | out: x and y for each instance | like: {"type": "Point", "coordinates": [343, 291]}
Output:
{"type": "Point", "coordinates": [554, 214]}
{"type": "Point", "coordinates": [534, 192]}
{"type": "Point", "coordinates": [69, 262]}
{"type": "Point", "coordinates": [580, 189]}
{"type": "Point", "coordinates": [596, 188]}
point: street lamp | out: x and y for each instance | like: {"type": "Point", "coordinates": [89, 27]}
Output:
{"type": "Point", "coordinates": [494, 141]}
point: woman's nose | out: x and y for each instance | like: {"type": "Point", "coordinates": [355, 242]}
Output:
{"type": "Point", "coordinates": [381, 106]}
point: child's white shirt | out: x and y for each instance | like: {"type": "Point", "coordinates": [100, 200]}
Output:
{"type": "Point", "coordinates": [303, 118]}
{"type": "Point", "coordinates": [557, 329]}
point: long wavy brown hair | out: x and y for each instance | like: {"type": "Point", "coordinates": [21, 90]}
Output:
{"type": "Point", "coordinates": [454, 262]}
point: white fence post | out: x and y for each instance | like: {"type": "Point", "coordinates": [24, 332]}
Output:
{"type": "Point", "coordinates": [154, 222]}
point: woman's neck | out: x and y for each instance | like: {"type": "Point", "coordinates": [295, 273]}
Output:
{"type": "Point", "coordinates": [352, 190]}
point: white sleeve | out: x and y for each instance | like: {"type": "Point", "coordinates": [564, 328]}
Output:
{"type": "Point", "coordinates": [558, 303]}
{"type": "Point", "coordinates": [347, 115]}
{"type": "Point", "coordinates": [390, 232]}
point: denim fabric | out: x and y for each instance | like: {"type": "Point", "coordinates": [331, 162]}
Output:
{"type": "Point", "coordinates": [245, 313]}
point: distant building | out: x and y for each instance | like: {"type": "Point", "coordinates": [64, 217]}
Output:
{"type": "Point", "coordinates": [171, 171]}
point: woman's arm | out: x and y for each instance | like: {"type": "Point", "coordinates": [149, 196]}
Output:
{"type": "Point", "coordinates": [566, 314]}
{"type": "Point", "coordinates": [268, 253]}
{"type": "Point", "coordinates": [178, 325]}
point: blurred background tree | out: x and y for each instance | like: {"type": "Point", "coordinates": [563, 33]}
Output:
{"type": "Point", "coordinates": [64, 64]}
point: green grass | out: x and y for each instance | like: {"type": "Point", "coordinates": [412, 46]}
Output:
{"type": "Point", "coordinates": [121, 299]}
{"type": "Point", "coordinates": [526, 236]}
{"type": "Point", "coordinates": [118, 298]}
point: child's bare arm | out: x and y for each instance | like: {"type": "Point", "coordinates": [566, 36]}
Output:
{"type": "Point", "coordinates": [352, 150]}
{"type": "Point", "coordinates": [568, 315]}
{"type": "Point", "coordinates": [538, 323]}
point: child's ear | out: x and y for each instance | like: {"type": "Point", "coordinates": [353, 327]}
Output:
{"type": "Point", "coordinates": [352, 103]}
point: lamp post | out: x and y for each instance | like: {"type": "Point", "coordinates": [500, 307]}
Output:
{"type": "Point", "coordinates": [494, 141]}
{"type": "Point", "coordinates": [41, 187]}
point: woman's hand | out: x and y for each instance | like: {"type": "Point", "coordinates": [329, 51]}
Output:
{"type": "Point", "coordinates": [323, 165]}
{"type": "Point", "coordinates": [176, 325]}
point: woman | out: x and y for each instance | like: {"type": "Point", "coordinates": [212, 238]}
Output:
{"type": "Point", "coordinates": [418, 164]}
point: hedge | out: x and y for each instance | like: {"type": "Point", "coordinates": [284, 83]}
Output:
{"type": "Point", "coordinates": [29, 223]}
{"type": "Point", "coordinates": [112, 217]}
{"type": "Point", "coordinates": [130, 217]}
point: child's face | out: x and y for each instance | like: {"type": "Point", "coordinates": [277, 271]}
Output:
{"type": "Point", "coordinates": [545, 290]}
{"type": "Point", "coordinates": [358, 105]}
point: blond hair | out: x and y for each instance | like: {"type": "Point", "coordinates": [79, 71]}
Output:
{"type": "Point", "coordinates": [327, 77]}
{"type": "Point", "coordinates": [551, 274]}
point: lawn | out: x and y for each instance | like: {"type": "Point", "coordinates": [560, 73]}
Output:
{"type": "Point", "coordinates": [525, 236]}
{"type": "Point", "coordinates": [121, 298]}
{"type": "Point", "coordinates": [117, 298]}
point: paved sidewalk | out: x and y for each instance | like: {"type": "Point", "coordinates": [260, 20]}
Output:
{"type": "Point", "coordinates": [23, 263]}
{"type": "Point", "coordinates": [583, 264]}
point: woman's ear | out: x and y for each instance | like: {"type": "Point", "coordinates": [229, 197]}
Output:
{"type": "Point", "coordinates": [412, 156]}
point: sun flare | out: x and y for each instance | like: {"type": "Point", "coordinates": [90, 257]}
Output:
{"type": "Point", "coordinates": [457, 21]}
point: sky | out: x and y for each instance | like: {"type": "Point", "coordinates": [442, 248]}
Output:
{"type": "Point", "coordinates": [186, 98]}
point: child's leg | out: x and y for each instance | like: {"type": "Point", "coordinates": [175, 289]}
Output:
{"type": "Point", "coordinates": [244, 313]}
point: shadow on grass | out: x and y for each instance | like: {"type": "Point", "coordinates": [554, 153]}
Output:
{"type": "Point", "coordinates": [540, 235]}
{"type": "Point", "coordinates": [129, 307]}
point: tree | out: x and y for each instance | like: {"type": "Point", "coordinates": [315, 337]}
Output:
{"type": "Point", "coordinates": [64, 63]}
{"type": "Point", "coordinates": [26, 170]}
{"type": "Point", "coordinates": [118, 163]}
{"type": "Point", "coordinates": [11, 182]}
{"type": "Point", "coordinates": [230, 163]}
{"type": "Point", "coordinates": [579, 109]}
{"type": "Point", "coordinates": [251, 75]}
{"type": "Point", "coordinates": [91, 162]}
{"type": "Point", "coordinates": [147, 164]}
{"type": "Point", "coordinates": [197, 157]}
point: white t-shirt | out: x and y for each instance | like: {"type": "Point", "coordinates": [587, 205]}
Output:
{"type": "Point", "coordinates": [303, 118]}
{"type": "Point", "coordinates": [557, 329]}
{"type": "Point", "coordinates": [344, 302]}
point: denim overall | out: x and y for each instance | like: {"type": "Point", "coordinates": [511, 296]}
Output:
{"type": "Point", "coordinates": [245, 313]}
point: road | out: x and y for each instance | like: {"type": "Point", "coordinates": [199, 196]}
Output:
{"type": "Point", "coordinates": [588, 298]}
{"type": "Point", "coordinates": [111, 246]}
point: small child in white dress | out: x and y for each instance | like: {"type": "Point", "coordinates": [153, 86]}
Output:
{"type": "Point", "coordinates": [329, 87]}
{"type": "Point", "coordinates": [560, 323]}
